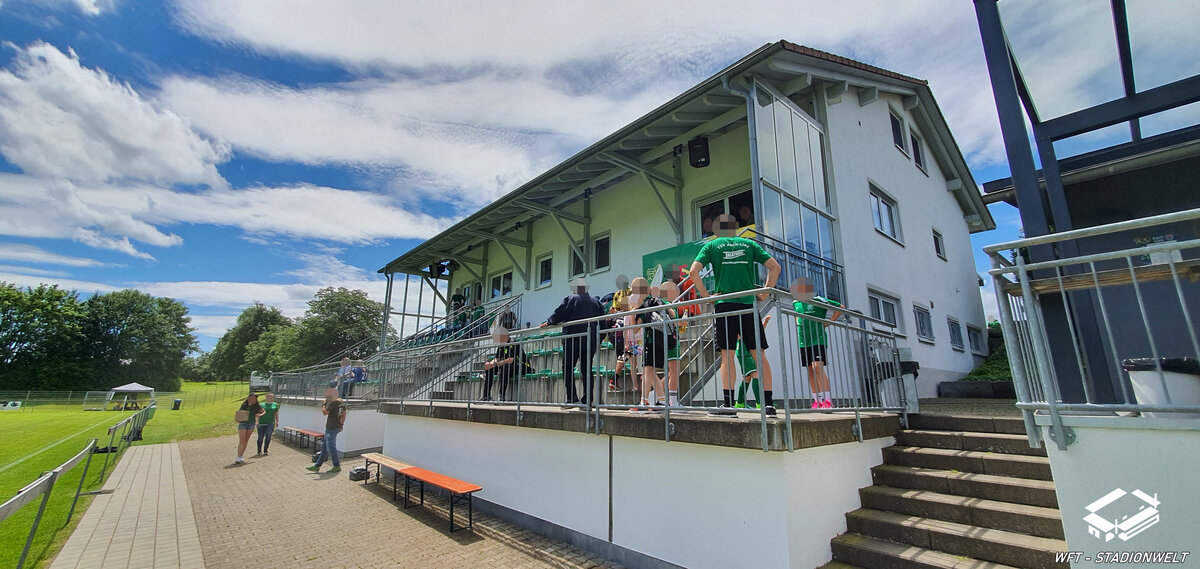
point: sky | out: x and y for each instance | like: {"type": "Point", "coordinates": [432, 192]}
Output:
{"type": "Point", "coordinates": [223, 152]}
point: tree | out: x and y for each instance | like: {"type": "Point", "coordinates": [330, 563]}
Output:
{"type": "Point", "coordinates": [277, 349]}
{"type": "Point", "coordinates": [227, 359]}
{"type": "Point", "coordinates": [196, 368]}
{"type": "Point", "coordinates": [339, 322]}
{"type": "Point", "coordinates": [132, 336]}
{"type": "Point", "coordinates": [39, 335]}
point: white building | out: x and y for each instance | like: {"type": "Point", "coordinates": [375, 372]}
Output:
{"type": "Point", "coordinates": [850, 172]}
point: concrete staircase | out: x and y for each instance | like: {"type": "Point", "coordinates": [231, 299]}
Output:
{"type": "Point", "coordinates": [955, 492]}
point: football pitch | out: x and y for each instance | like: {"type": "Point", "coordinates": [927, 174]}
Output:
{"type": "Point", "coordinates": [38, 440]}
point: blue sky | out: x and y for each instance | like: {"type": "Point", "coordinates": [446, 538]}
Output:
{"type": "Point", "coordinates": [222, 152]}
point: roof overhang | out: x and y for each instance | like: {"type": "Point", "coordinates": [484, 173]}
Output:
{"type": "Point", "coordinates": [704, 110]}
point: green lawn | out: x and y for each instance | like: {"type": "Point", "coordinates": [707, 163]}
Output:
{"type": "Point", "coordinates": [40, 439]}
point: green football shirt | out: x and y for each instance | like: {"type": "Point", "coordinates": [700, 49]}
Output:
{"type": "Point", "coordinates": [735, 263]}
{"type": "Point", "coordinates": [268, 417]}
{"type": "Point", "coordinates": [812, 332]}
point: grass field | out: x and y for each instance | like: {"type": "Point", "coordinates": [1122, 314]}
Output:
{"type": "Point", "coordinates": [39, 440]}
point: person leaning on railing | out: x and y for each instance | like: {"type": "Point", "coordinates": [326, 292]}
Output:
{"type": "Point", "coordinates": [509, 363]}
{"type": "Point", "coordinates": [735, 263]}
{"type": "Point", "coordinates": [580, 341]}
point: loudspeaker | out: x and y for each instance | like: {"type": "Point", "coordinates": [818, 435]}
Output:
{"type": "Point", "coordinates": [698, 152]}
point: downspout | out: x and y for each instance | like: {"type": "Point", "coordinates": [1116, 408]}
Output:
{"type": "Point", "coordinates": [755, 174]}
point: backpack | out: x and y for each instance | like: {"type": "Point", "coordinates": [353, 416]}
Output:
{"type": "Point", "coordinates": [660, 318]}
{"type": "Point", "coordinates": [359, 473]}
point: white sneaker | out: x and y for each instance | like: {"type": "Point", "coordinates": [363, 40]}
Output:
{"type": "Point", "coordinates": [239, 460]}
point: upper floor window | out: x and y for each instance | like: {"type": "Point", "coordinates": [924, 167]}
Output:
{"type": "Point", "coordinates": [918, 153]}
{"type": "Point", "coordinates": [883, 210]}
{"type": "Point", "coordinates": [939, 244]}
{"type": "Point", "coordinates": [600, 253]}
{"type": "Point", "coordinates": [545, 267]}
{"type": "Point", "coordinates": [502, 284]}
{"type": "Point", "coordinates": [897, 131]}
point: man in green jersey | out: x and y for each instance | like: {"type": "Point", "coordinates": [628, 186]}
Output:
{"type": "Point", "coordinates": [812, 338]}
{"type": "Point", "coordinates": [735, 261]}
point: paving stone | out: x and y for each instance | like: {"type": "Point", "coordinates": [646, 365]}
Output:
{"type": "Point", "coordinates": [271, 513]}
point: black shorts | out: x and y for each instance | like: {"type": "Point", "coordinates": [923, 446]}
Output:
{"type": "Point", "coordinates": [656, 349]}
{"type": "Point", "coordinates": [810, 354]}
{"type": "Point", "coordinates": [747, 326]}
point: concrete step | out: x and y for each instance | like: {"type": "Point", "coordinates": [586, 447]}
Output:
{"type": "Point", "coordinates": [1020, 466]}
{"type": "Point", "coordinates": [993, 545]}
{"type": "Point", "coordinates": [872, 553]}
{"type": "Point", "coordinates": [441, 395]}
{"type": "Point", "coordinates": [1031, 520]}
{"type": "Point", "coordinates": [976, 424]}
{"type": "Point", "coordinates": [962, 440]}
{"type": "Point", "coordinates": [971, 484]}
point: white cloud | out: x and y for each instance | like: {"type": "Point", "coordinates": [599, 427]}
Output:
{"type": "Point", "coordinates": [213, 326]}
{"type": "Point", "coordinates": [471, 140]}
{"type": "Point", "coordinates": [32, 271]}
{"type": "Point", "coordinates": [110, 216]}
{"type": "Point", "coordinates": [59, 119]}
{"type": "Point", "coordinates": [33, 254]}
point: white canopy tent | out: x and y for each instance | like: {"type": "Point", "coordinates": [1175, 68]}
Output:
{"type": "Point", "coordinates": [129, 396]}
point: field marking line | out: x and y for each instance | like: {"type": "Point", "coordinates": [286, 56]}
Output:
{"type": "Point", "coordinates": [52, 445]}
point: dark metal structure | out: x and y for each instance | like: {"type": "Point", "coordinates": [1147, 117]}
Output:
{"type": "Point", "coordinates": [1138, 178]}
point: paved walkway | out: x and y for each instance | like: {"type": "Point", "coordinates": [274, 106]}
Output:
{"type": "Point", "coordinates": [272, 513]}
{"type": "Point", "coordinates": [144, 521]}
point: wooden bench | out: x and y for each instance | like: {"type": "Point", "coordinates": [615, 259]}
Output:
{"type": "Point", "coordinates": [459, 490]}
{"type": "Point", "coordinates": [303, 434]}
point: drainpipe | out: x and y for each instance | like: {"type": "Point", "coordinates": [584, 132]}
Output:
{"type": "Point", "coordinates": [755, 174]}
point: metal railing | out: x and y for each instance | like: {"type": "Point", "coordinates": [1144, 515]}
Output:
{"type": "Point", "coordinates": [130, 429]}
{"type": "Point", "coordinates": [861, 361]}
{"type": "Point", "coordinates": [1081, 307]}
{"type": "Point", "coordinates": [42, 487]}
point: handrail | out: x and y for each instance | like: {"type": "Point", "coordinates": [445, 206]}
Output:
{"type": "Point", "coordinates": [1186, 215]}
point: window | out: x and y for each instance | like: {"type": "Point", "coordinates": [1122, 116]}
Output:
{"type": "Point", "coordinates": [897, 132]}
{"type": "Point", "coordinates": [600, 250]}
{"type": "Point", "coordinates": [883, 210]}
{"type": "Point", "coordinates": [918, 153]}
{"type": "Point", "coordinates": [545, 267]}
{"type": "Point", "coordinates": [939, 246]}
{"type": "Point", "coordinates": [975, 338]}
{"type": "Point", "coordinates": [502, 284]}
{"type": "Point", "coordinates": [956, 339]}
{"type": "Point", "coordinates": [576, 262]}
{"type": "Point", "coordinates": [924, 322]}
{"type": "Point", "coordinates": [884, 308]}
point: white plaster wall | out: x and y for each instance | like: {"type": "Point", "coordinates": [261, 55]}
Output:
{"type": "Point", "coordinates": [697, 506]}
{"type": "Point", "coordinates": [863, 153]}
{"type": "Point", "coordinates": [363, 429]}
{"type": "Point", "coordinates": [825, 480]}
{"type": "Point", "coordinates": [556, 476]}
{"type": "Point", "coordinates": [1154, 455]}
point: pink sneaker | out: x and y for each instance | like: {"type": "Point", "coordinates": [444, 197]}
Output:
{"type": "Point", "coordinates": [827, 405]}
{"type": "Point", "coordinates": [816, 405]}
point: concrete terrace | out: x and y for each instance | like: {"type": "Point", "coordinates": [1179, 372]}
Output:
{"type": "Point", "coordinates": [186, 506]}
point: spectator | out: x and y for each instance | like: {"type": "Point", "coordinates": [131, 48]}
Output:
{"type": "Point", "coordinates": [580, 341]}
{"type": "Point", "coordinates": [334, 410]}
{"type": "Point", "coordinates": [735, 261]}
{"type": "Point", "coordinates": [344, 373]}
{"type": "Point", "coordinates": [247, 415]}
{"type": "Point", "coordinates": [510, 362]}
{"type": "Point", "coordinates": [812, 339]}
{"type": "Point", "coordinates": [267, 423]}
